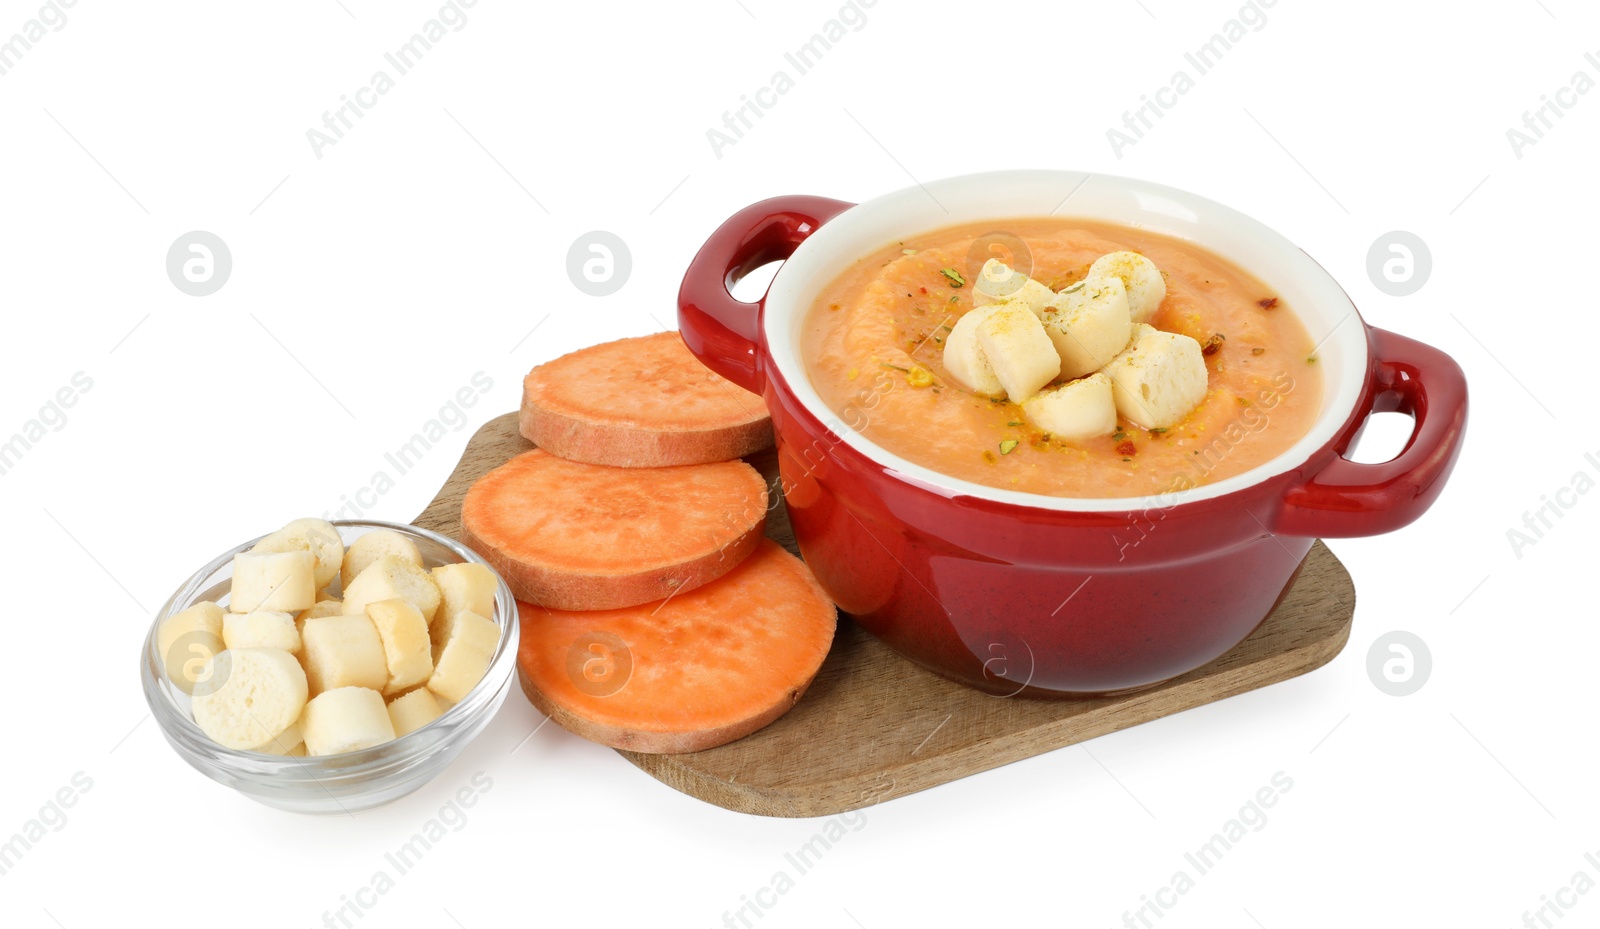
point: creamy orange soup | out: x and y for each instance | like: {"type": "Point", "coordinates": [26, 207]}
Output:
{"type": "Point", "coordinates": [874, 341]}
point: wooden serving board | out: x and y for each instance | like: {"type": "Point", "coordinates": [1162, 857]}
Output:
{"type": "Point", "coordinates": [874, 726]}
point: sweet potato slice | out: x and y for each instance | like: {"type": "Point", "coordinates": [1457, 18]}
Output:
{"type": "Point", "coordinates": [577, 536]}
{"type": "Point", "coordinates": [699, 670]}
{"type": "Point", "coordinates": [643, 402]}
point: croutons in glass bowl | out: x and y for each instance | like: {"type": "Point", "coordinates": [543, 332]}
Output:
{"type": "Point", "coordinates": [331, 667]}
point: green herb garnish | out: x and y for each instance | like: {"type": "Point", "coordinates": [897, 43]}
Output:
{"type": "Point", "coordinates": [954, 276]}
{"type": "Point", "coordinates": [1007, 446]}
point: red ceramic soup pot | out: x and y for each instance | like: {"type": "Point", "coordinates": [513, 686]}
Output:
{"type": "Point", "coordinates": [1015, 592]}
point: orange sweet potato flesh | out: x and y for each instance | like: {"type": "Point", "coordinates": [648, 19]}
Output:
{"type": "Point", "coordinates": [577, 536]}
{"type": "Point", "coordinates": [643, 402]}
{"type": "Point", "coordinates": [699, 670]}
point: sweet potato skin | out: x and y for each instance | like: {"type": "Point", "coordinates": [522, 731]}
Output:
{"type": "Point", "coordinates": [699, 670]}
{"type": "Point", "coordinates": [625, 446]}
{"type": "Point", "coordinates": [565, 590]}
{"type": "Point", "coordinates": [543, 522]}
{"type": "Point", "coordinates": [643, 402]}
{"type": "Point", "coordinates": [658, 743]}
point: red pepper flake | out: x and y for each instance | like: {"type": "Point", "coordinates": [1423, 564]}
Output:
{"type": "Point", "coordinates": [1213, 345]}
{"type": "Point", "coordinates": [923, 289]}
{"type": "Point", "coordinates": [1127, 448]}
{"type": "Point", "coordinates": [1267, 303]}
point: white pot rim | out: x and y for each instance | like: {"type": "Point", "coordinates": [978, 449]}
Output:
{"type": "Point", "coordinates": [1314, 296]}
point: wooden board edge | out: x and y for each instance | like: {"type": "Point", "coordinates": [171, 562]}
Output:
{"type": "Point", "coordinates": [911, 777]}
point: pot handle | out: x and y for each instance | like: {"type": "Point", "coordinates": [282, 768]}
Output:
{"type": "Point", "coordinates": [1343, 498]}
{"type": "Point", "coordinates": [721, 331]}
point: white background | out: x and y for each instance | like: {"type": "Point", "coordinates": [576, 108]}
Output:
{"type": "Point", "coordinates": [372, 283]}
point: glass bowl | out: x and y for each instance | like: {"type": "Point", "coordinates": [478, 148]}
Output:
{"type": "Point", "coordinates": [352, 781]}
